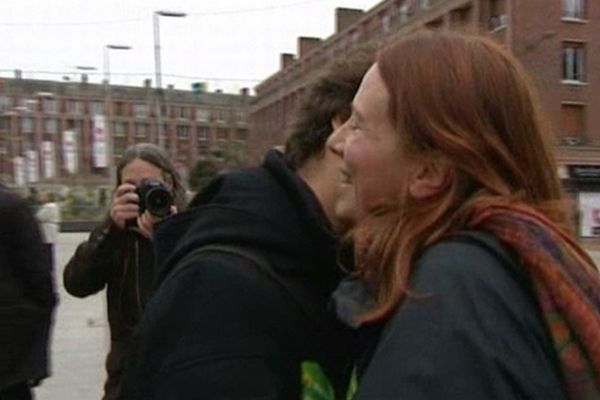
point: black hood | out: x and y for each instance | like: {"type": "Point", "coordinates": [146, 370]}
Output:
{"type": "Point", "coordinates": [268, 209]}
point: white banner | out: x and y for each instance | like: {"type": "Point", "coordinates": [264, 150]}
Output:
{"type": "Point", "coordinates": [32, 166]}
{"type": "Point", "coordinates": [99, 145]}
{"type": "Point", "coordinates": [19, 170]}
{"type": "Point", "coordinates": [48, 159]}
{"type": "Point", "coordinates": [70, 151]}
{"type": "Point", "coordinates": [589, 212]}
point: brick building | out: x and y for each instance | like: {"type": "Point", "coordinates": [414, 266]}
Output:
{"type": "Point", "coordinates": [558, 41]}
{"type": "Point", "coordinates": [73, 133]}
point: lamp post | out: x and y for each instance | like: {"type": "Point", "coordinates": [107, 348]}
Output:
{"type": "Point", "coordinates": [107, 50]}
{"type": "Point", "coordinates": [157, 67]}
{"type": "Point", "coordinates": [106, 119]}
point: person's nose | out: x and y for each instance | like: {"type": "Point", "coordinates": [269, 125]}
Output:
{"type": "Point", "coordinates": [337, 140]}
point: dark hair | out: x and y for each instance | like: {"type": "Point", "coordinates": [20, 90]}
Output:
{"type": "Point", "coordinates": [329, 97]}
{"type": "Point", "coordinates": [158, 157]}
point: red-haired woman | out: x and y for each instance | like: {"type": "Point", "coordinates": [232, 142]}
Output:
{"type": "Point", "coordinates": [461, 234]}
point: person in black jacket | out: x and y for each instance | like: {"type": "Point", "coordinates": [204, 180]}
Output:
{"type": "Point", "coordinates": [27, 299]}
{"type": "Point", "coordinates": [247, 271]}
{"type": "Point", "coordinates": [118, 254]}
{"type": "Point", "coordinates": [461, 234]}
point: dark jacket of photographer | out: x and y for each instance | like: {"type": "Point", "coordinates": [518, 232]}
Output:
{"type": "Point", "coordinates": [27, 296]}
{"type": "Point", "coordinates": [218, 326]}
{"type": "Point", "coordinates": [123, 262]}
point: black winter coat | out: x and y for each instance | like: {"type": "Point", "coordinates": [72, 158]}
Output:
{"type": "Point", "coordinates": [123, 262]}
{"type": "Point", "coordinates": [27, 296]}
{"type": "Point", "coordinates": [219, 328]}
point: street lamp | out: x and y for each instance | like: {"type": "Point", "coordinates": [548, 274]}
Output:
{"type": "Point", "coordinates": [107, 49]}
{"type": "Point", "coordinates": [157, 67]}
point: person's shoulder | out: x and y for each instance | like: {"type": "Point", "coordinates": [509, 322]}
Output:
{"type": "Point", "coordinates": [473, 258]}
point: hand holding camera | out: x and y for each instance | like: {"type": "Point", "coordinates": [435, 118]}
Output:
{"type": "Point", "coordinates": [139, 208]}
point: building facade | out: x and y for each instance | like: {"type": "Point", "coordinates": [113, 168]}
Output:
{"type": "Point", "coordinates": [56, 133]}
{"type": "Point", "coordinates": [558, 42]}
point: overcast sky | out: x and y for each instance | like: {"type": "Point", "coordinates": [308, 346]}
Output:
{"type": "Point", "coordinates": [227, 43]}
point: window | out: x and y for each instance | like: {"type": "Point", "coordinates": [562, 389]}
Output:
{"type": "Point", "coordinates": [4, 123]}
{"type": "Point", "coordinates": [202, 133]}
{"type": "Point", "coordinates": [241, 134]}
{"type": "Point", "coordinates": [141, 110]}
{"type": "Point", "coordinates": [26, 125]}
{"type": "Point", "coordinates": [120, 108]}
{"type": "Point", "coordinates": [240, 116]}
{"type": "Point", "coordinates": [574, 9]}
{"type": "Point", "coordinates": [403, 13]}
{"type": "Point", "coordinates": [183, 131]}
{"type": "Point", "coordinates": [219, 115]}
{"type": "Point", "coordinates": [51, 125]}
{"type": "Point", "coordinates": [50, 106]}
{"type": "Point", "coordinates": [222, 135]}
{"type": "Point", "coordinates": [424, 4]}
{"type": "Point", "coordinates": [74, 125]}
{"type": "Point", "coordinates": [573, 62]}
{"type": "Point", "coordinates": [74, 107]}
{"type": "Point", "coordinates": [119, 129]}
{"type": "Point", "coordinates": [385, 23]}
{"type": "Point", "coordinates": [572, 124]}
{"type": "Point", "coordinates": [141, 130]}
{"type": "Point", "coordinates": [97, 108]}
{"type": "Point", "coordinates": [5, 103]}
{"type": "Point", "coordinates": [202, 115]}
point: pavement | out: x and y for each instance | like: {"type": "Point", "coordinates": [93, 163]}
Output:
{"type": "Point", "coordinates": [81, 337]}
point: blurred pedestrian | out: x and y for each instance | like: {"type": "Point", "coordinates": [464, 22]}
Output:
{"type": "Point", "coordinates": [27, 299]}
{"type": "Point", "coordinates": [48, 215]}
{"type": "Point", "coordinates": [463, 236]}
{"type": "Point", "coordinates": [118, 254]}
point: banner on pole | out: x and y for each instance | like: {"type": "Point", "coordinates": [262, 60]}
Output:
{"type": "Point", "coordinates": [32, 166]}
{"type": "Point", "coordinates": [48, 159]}
{"type": "Point", "coordinates": [19, 170]}
{"type": "Point", "coordinates": [99, 142]}
{"type": "Point", "coordinates": [70, 151]}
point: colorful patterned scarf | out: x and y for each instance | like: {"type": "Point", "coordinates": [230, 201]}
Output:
{"type": "Point", "coordinates": [566, 283]}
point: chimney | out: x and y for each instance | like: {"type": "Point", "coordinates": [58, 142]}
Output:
{"type": "Point", "coordinates": [18, 74]}
{"type": "Point", "coordinates": [170, 87]}
{"type": "Point", "coordinates": [285, 60]}
{"type": "Point", "coordinates": [344, 17]}
{"type": "Point", "coordinates": [306, 44]}
{"type": "Point", "coordinates": [219, 91]}
{"type": "Point", "coordinates": [147, 83]}
{"type": "Point", "coordinates": [84, 78]}
{"type": "Point", "coordinates": [244, 91]}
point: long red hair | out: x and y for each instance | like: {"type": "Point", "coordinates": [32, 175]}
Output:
{"type": "Point", "coordinates": [464, 99]}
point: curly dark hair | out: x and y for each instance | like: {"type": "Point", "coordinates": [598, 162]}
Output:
{"type": "Point", "coordinates": [328, 97]}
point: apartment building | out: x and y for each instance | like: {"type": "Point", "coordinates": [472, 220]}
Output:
{"type": "Point", "coordinates": [558, 42]}
{"type": "Point", "coordinates": [73, 133]}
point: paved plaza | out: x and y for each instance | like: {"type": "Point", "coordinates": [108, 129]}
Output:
{"type": "Point", "coordinates": [81, 337]}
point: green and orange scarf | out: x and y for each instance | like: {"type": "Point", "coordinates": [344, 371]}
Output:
{"type": "Point", "coordinates": [565, 281]}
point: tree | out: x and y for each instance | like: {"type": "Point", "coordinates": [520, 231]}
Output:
{"type": "Point", "coordinates": [203, 172]}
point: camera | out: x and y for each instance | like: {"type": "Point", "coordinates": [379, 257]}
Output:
{"type": "Point", "coordinates": [155, 197]}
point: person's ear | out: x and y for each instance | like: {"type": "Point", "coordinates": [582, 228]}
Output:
{"type": "Point", "coordinates": [429, 178]}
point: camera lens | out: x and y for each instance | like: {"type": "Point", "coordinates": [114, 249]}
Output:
{"type": "Point", "coordinates": [159, 201]}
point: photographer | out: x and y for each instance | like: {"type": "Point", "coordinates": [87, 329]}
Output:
{"type": "Point", "coordinates": [118, 253]}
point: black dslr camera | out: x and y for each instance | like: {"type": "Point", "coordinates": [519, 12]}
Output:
{"type": "Point", "coordinates": [155, 197]}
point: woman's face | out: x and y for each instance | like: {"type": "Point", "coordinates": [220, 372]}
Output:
{"type": "Point", "coordinates": [372, 173]}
